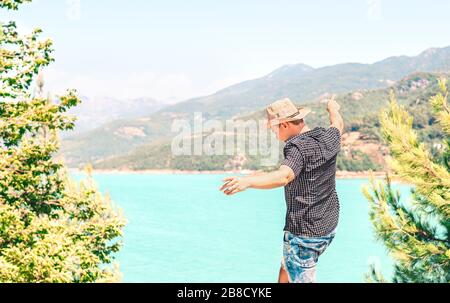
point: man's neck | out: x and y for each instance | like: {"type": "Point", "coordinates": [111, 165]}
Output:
{"type": "Point", "coordinates": [302, 131]}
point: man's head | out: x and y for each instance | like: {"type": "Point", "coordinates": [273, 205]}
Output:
{"type": "Point", "coordinates": [286, 119]}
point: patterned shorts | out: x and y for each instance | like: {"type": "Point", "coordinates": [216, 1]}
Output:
{"type": "Point", "coordinates": [300, 256]}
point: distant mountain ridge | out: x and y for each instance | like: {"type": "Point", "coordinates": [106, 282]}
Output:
{"type": "Point", "coordinates": [303, 83]}
{"type": "Point", "coordinates": [362, 147]}
{"type": "Point", "coordinates": [300, 82]}
{"type": "Point", "coordinates": [94, 112]}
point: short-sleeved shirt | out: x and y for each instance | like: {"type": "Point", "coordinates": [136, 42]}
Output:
{"type": "Point", "coordinates": [311, 198]}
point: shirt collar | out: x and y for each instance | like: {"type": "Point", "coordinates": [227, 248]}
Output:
{"type": "Point", "coordinates": [309, 133]}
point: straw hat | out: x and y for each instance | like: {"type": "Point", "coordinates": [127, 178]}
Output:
{"type": "Point", "coordinates": [284, 110]}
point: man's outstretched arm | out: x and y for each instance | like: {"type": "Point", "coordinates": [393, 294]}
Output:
{"type": "Point", "coordinates": [335, 117]}
{"type": "Point", "coordinates": [279, 178]}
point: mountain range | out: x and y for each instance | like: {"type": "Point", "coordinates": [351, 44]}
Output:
{"type": "Point", "coordinates": [300, 82]}
{"type": "Point", "coordinates": [93, 112]}
{"type": "Point", "coordinates": [362, 146]}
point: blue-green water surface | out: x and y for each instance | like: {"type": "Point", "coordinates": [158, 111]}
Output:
{"type": "Point", "coordinates": [181, 228]}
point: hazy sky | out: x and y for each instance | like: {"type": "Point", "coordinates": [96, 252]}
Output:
{"type": "Point", "coordinates": [181, 49]}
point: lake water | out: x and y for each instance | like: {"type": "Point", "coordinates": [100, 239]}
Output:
{"type": "Point", "coordinates": [182, 229]}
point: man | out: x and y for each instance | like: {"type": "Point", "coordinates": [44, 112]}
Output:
{"type": "Point", "coordinates": [308, 174]}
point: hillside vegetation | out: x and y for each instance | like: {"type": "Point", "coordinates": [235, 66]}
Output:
{"type": "Point", "coordinates": [299, 82]}
{"type": "Point", "coordinates": [362, 147]}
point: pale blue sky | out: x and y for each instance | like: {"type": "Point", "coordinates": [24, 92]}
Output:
{"type": "Point", "coordinates": [182, 49]}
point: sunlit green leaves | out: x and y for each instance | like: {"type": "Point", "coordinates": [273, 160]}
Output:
{"type": "Point", "coordinates": [416, 232]}
{"type": "Point", "coordinates": [52, 229]}
{"type": "Point", "coordinates": [12, 4]}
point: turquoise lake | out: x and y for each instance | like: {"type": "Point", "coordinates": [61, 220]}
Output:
{"type": "Point", "coordinates": [181, 228]}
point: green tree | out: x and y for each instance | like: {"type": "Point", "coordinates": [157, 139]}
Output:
{"type": "Point", "coordinates": [52, 229]}
{"type": "Point", "coordinates": [415, 232]}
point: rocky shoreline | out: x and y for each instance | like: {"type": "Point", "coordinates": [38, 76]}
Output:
{"type": "Point", "coordinates": [339, 174]}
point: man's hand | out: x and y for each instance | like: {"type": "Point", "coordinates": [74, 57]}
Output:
{"type": "Point", "coordinates": [335, 117]}
{"type": "Point", "coordinates": [332, 105]}
{"type": "Point", "coordinates": [234, 185]}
